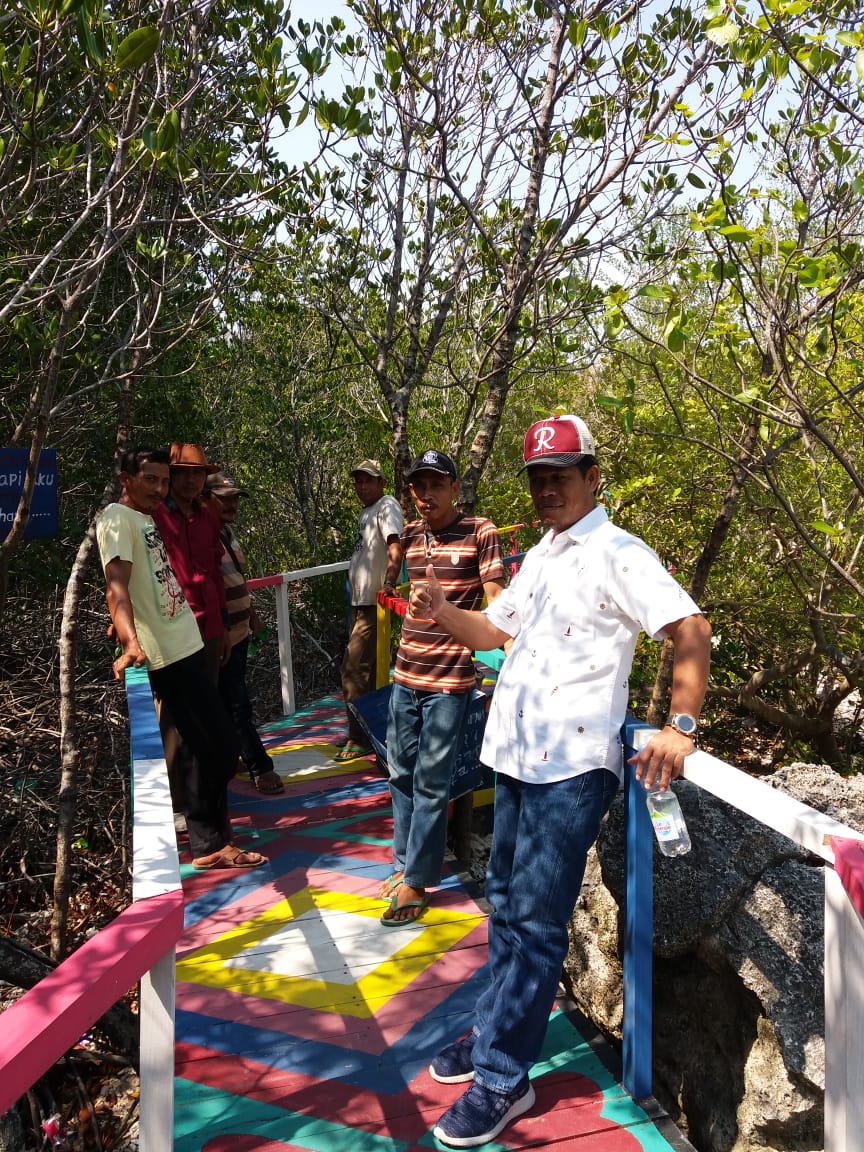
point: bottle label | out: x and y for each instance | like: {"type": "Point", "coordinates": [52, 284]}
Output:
{"type": "Point", "coordinates": [664, 828]}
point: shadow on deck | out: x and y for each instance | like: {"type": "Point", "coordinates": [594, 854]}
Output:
{"type": "Point", "coordinates": [302, 1023]}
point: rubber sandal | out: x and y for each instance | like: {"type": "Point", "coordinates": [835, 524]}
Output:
{"type": "Point", "coordinates": [268, 783]}
{"type": "Point", "coordinates": [225, 859]}
{"type": "Point", "coordinates": [421, 906]}
{"type": "Point", "coordinates": [350, 751]}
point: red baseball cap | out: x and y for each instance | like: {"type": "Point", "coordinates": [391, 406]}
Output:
{"type": "Point", "coordinates": [559, 441]}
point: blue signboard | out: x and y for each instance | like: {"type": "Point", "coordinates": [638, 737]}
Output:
{"type": "Point", "coordinates": [43, 509]}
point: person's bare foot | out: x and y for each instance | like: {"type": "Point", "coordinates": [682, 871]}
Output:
{"type": "Point", "coordinates": [389, 886]}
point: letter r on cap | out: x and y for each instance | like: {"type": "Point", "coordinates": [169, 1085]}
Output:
{"type": "Point", "coordinates": [543, 438]}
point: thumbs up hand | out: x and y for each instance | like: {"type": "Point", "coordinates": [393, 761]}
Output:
{"type": "Point", "coordinates": [427, 596]}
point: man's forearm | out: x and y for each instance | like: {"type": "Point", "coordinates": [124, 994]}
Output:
{"type": "Point", "coordinates": [123, 619]}
{"type": "Point", "coordinates": [691, 665]}
{"type": "Point", "coordinates": [473, 629]}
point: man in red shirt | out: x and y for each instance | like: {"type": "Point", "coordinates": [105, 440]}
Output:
{"type": "Point", "coordinates": [190, 532]}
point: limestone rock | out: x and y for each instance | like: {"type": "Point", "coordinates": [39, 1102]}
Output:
{"type": "Point", "coordinates": [738, 966]}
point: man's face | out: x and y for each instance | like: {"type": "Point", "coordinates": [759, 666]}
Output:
{"type": "Point", "coordinates": [146, 490]}
{"type": "Point", "coordinates": [368, 488]}
{"type": "Point", "coordinates": [187, 483]}
{"type": "Point", "coordinates": [562, 495]}
{"type": "Point", "coordinates": [434, 496]}
{"type": "Point", "coordinates": [225, 507]}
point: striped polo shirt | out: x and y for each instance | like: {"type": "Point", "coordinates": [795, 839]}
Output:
{"type": "Point", "coordinates": [465, 555]}
{"type": "Point", "coordinates": [237, 595]}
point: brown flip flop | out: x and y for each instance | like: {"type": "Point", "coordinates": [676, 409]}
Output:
{"type": "Point", "coordinates": [229, 858]}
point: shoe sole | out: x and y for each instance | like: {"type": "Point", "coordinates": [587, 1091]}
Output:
{"type": "Point", "coordinates": [522, 1105]}
{"type": "Point", "coordinates": [461, 1078]}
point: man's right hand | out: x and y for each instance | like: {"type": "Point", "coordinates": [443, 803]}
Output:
{"type": "Point", "coordinates": [133, 657]}
{"type": "Point", "coordinates": [427, 596]}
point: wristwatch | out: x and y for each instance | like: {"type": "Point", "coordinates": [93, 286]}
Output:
{"type": "Point", "coordinates": [684, 723]}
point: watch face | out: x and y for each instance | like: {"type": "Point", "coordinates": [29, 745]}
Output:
{"type": "Point", "coordinates": [684, 723]}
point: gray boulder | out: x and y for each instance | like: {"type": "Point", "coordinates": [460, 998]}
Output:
{"type": "Point", "coordinates": [738, 966]}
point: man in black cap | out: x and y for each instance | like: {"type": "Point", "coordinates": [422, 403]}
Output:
{"type": "Point", "coordinates": [434, 677]}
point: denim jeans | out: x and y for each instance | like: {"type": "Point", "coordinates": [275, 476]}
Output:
{"type": "Point", "coordinates": [424, 734]}
{"type": "Point", "coordinates": [540, 844]}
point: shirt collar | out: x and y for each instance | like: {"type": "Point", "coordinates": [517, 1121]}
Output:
{"type": "Point", "coordinates": [579, 532]}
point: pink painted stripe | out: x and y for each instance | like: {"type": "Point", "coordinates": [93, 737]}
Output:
{"type": "Point", "coordinates": [50, 1018]}
{"type": "Point", "coordinates": [264, 582]}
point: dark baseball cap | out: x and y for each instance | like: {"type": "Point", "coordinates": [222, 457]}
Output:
{"type": "Point", "coordinates": [433, 461]}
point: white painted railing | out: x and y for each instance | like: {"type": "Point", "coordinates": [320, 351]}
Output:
{"type": "Point", "coordinates": [283, 621]}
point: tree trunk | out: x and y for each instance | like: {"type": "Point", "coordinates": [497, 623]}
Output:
{"type": "Point", "coordinates": [69, 752]}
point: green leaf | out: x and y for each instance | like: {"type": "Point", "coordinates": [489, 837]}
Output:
{"type": "Point", "coordinates": [736, 234]}
{"type": "Point", "coordinates": [169, 131]}
{"type": "Point", "coordinates": [654, 291]}
{"type": "Point", "coordinates": [828, 529]}
{"type": "Point", "coordinates": [674, 337]}
{"type": "Point", "coordinates": [695, 180]}
{"type": "Point", "coordinates": [859, 65]}
{"type": "Point", "coordinates": [723, 34]}
{"type": "Point", "coordinates": [137, 48]}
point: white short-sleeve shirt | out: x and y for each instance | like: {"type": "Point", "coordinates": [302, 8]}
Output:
{"type": "Point", "coordinates": [576, 609]}
{"type": "Point", "coordinates": [376, 525]}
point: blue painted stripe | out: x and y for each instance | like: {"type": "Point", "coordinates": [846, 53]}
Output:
{"type": "Point", "coordinates": [145, 738]}
{"type": "Point", "coordinates": [387, 1073]}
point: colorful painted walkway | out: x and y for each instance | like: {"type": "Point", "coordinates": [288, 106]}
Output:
{"type": "Point", "coordinates": [303, 1024]}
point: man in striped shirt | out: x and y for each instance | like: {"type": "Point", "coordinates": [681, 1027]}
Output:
{"type": "Point", "coordinates": [434, 677]}
{"type": "Point", "coordinates": [223, 498]}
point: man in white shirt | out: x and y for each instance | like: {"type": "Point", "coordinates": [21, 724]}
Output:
{"type": "Point", "coordinates": [574, 613]}
{"type": "Point", "coordinates": [375, 564]}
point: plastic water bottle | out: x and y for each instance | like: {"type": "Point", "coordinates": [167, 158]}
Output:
{"type": "Point", "coordinates": [668, 822]}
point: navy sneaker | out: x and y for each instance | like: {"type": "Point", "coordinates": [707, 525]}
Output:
{"type": "Point", "coordinates": [455, 1063]}
{"type": "Point", "coordinates": [481, 1114]}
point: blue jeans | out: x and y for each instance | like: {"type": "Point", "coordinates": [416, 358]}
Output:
{"type": "Point", "coordinates": [424, 734]}
{"type": "Point", "coordinates": [540, 843]}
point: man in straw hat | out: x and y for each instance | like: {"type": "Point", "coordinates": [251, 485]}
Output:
{"type": "Point", "coordinates": [574, 613]}
{"type": "Point", "coordinates": [191, 535]}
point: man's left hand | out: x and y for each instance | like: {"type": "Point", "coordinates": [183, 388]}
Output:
{"type": "Point", "coordinates": [226, 649]}
{"type": "Point", "coordinates": [662, 759]}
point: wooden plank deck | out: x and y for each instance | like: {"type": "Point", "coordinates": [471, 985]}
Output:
{"type": "Point", "coordinates": [303, 1024]}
